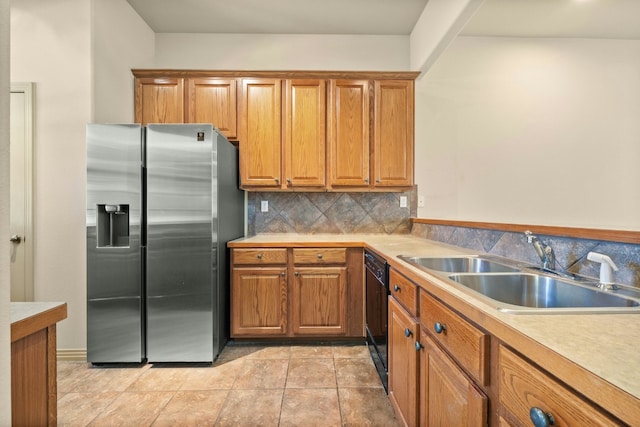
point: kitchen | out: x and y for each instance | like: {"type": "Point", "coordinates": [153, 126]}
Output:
{"type": "Point", "coordinates": [448, 192]}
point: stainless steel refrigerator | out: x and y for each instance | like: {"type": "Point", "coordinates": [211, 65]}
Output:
{"type": "Point", "coordinates": [162, 202]}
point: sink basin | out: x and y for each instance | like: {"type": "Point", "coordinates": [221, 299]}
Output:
{"type": "Point", "coordinates": [468, 264]}
{"type": "Point", "coordinates": [526, 292]}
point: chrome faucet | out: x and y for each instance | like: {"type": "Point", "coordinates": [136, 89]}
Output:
{"type": "Point", "coordinates": [544, 251]}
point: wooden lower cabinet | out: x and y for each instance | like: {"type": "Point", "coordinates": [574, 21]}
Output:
{"type": "Point", "coordinates": [297, 292]}
{"type": "Point", "coordinates": [403, 333]}
{"type": "Point", "coordinates": [259, 301]}
{"type": "Point", "coordinates": [527, 392]}
{"type": "Point", "coordinates": [319, 298]}
{"type": "Point", "coordinates": [447, 396]}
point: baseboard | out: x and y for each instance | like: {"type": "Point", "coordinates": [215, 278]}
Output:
{"type": "Point", "coordinates": [72, 355]}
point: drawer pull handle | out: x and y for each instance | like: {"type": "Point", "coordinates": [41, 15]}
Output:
{"type": "Point", "coordinates": [539, 418]}
{"type": "Point", "coordinates": [407, 332]}
{"type": "Point", "coordinates": [319, 256]}
{"type": "Point", "coordinates": [418, 346]}
{"type": "Point", "coordinates": [439, 327]}
{"type": "Point", "coordinates": [259, 256]}
{"type": "Point", "coordinates": [396, 288]}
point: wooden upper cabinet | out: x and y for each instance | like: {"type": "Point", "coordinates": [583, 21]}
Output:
{"type": "Point", "coordinates": [349, 133]}
{"type": "Point", "coordinates": [393, 133]}
{"type": "Point", "coordinates": [260, 133]}
{"type": "Point", "coordinates": [305, 133]}
{"type": "Point", "coordinates": [213, 100]}
{"type": "Point", "coordinates": [296, 130]}
{"type": "Point", "coordinates": [159, 100]}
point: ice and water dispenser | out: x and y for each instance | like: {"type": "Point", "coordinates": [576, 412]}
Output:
{"type": "Point", "coordinates": [113, 226]}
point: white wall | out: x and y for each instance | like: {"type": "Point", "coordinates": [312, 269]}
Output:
{"type": "Point", "coordinates": [5, 344]}
{"type": "Point", "coordinates": [121, 41]}
{"type": "Point", "coordinates": [51, 45]}
{"type": "Point", "coordinates": [538, 131]}
{"type": "Point", "coordinates": [282, 52]}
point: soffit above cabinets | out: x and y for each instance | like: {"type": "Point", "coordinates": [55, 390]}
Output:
{"type": "Point", "coordinates": [605, 19]}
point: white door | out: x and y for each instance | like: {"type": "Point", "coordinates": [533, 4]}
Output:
{"type": "Point", "coordinates": [21, 191]}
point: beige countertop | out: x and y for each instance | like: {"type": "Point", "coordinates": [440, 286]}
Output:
{"type": "Point", "coordinates": [29, 317]}
{"type": "Point", "coordinates": [606, 345]}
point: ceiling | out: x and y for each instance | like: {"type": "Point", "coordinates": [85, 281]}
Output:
{"type": "Point", "coordinates": [386, 17]}
{"type": "Point", "coordinates": [514, 18]}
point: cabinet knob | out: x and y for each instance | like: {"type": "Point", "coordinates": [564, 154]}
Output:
{"type": "Point", "coordinates": [277, 180]}
{"type": "Point", "coordinates": [407, 332]}
{"type": "Point", "coordinates": [539, 418]}
{"type": "Point", "coordinates": [418, 346]}
{"type": "Point", "coordinates": [259, 256]}
{"type": "Point", "coordinates": [439, 327]}
{"type": "Point", "coordinates": [296, 274]}
{"type": "Point", "coordinates": [396, 288]}
{"type": "Point", "coordinates": [283, 274]}
{"type": "Point", "coordinates": [288, 180]}
{"type": "Point", "coordinates": [366, 180]}
{"type": "Point", "coordinates": [319, 256]}
{"type": "Point", "coordinates": [378, 180]}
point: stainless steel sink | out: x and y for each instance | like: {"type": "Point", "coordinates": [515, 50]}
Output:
{"type": "Point", "coordinates": [535, 293]}
{"type": "Point", "coordinates": [469, 264]}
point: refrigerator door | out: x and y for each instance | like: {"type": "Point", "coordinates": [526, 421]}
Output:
{"type": "Point", "coordinates": [228, 224]}
{"type": "Point", "coordinates": [179, 243]}
{"type": "Point", "coordinates": [114, 251]}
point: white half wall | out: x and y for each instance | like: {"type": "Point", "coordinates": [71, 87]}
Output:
{"type": "Point", "coordinates": [282, 52]}
{"type": "Point", "coordinates": [534, 131]}
{"type": "Point", "coordinates": [5, 323]}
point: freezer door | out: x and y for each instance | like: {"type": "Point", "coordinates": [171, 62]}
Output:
{"type": "Point", "coordinates": [179, 243]}
{"type": "Point", "coordinates": [113, 226]}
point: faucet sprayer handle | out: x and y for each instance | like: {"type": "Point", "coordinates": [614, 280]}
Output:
{"type": "Point", "coordinates": [606, 266]}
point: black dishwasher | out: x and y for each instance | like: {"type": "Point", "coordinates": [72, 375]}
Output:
{"type": "Point", "coordinates": [377, 293]}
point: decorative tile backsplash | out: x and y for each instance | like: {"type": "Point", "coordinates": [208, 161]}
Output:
{"type": "Point", "coordinates": [330, 213]}
{"type": "Point", "coordinates": [571, 253]}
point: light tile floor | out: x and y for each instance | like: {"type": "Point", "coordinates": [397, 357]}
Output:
{"type": "Point", "coordinates": [246, 386]}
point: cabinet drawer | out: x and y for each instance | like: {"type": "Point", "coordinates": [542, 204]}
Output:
{"type": "Point", "coordinates": [523, 387]}
{"type": "Point", "coordinates": [468, 345]}
{"type": "Point", "coordinates": [404, 290]}
{"type": "Point", "coordinates": [320, 256]}
{"type": "Point", "coordinates": [259, 256]}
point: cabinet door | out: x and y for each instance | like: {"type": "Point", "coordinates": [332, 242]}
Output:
{"type": "Point", "coordinates": [447, 396]}
{"type": "Point", "coordinates": [260, 133]}
{"type": "Point", "coordinates": [349, 133]}
{"type": "Point", "coordinates": [319, 301]}
{"type": "Point", "coordinates": [305, 133]}
{"type": "Point", "coordinates": [211, 100]}
{"type": "Point", "coordinates": [403, 363]}
{"type": "Point", "coordinates": [258, 301]}
{"type": "Point", "coordinates": [159, 100]}
{"type": "Point", "coordinates": [393, 133]}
